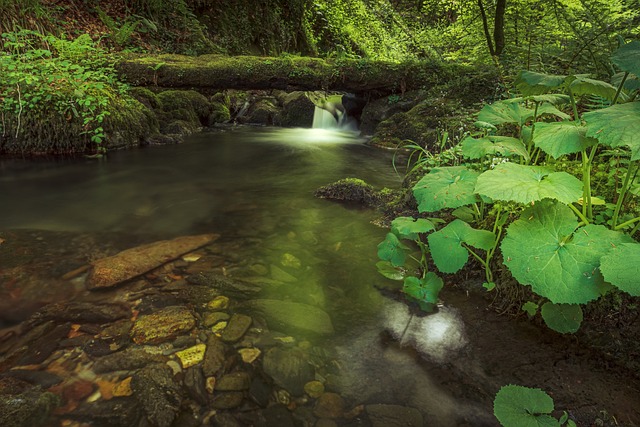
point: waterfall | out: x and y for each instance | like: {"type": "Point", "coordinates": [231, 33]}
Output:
{"type": "Point", "coordinates": [333, 119]}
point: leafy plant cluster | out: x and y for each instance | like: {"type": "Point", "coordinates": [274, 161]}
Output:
{"type": "Point", "coordinates": [511, 197]}
{"type": "Point", "coordinates": [42, 76]}
{"type": "Point", "coordinates": [520, 406]}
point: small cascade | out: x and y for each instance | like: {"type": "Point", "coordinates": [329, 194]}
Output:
{"type": "Point", "coordinates": [332, 118]}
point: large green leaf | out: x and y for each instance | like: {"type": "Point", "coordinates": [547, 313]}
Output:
{"type": "Point", "coordinates": [559, 138]}
{"type": "Point", "coordinates": [505, 112]}
{"type": "Point", "coordinates": [627, 57]}
{"type": "Point", "coordinates": [532, 83]}
{"type": "Point", "coordinates": [586, 86]}
{"type": "Point", "coordinates": [517, 406]}
{"type": "Point", "coordinates": [393, 250]}
{"type": "Point", "coordinates": [616, 126]}
{"type": "Point", "coordinates": [477, 148]}
{"type": "Point", "coordinates": [447, 249]}
{"type": "Point", "coordinates": [389, 271]}
{"type": "Point", "coordinates": [409, 228]}
{"type": "Point", "coordinates": [446, 187]}
{"type": "Point", "coordinates": [552, 98]}
{"type": "Point", "coordinates": [621, 267]}
{"type": "Point", "coordinates": [526, 184]}
{"type": "Point", "coordinates": [550, 110]}
{"type": "Point", "coordinates": [425, 289]}
{"type": "Point", "coordinates": [631, 83]}
{"type": "Point", "coordinates": [563, 318]}
{"type": "Point", "coordinates": [546, 249]}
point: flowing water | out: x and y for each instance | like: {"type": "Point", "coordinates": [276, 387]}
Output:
{"type": "Point", "coordinates": [255, 187]}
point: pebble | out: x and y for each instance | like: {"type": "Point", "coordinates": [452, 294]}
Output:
{"type": "Point", "coordinates": [329, 405]}
{"type": "Point", "coordinates": [218, 303]}
{"type": "Point", "coordinates": [314, 389]}
{"type": "Point", "coordinates": [211, 319]}
{"type": "Point", "coordinates": [235, 381]}
{"type": "Point", "coordinates": [227, 400]}
{"type": "Point", "coordinates": [236, 328]}
{"type": "Point", "coordinates": [214, 356]}
{"type": "Point", "coordinates": [249, 355]}
{"type": "Point", "coordinates": [219, 327]}
{"type": "Point", "coordinates": [192, 355]}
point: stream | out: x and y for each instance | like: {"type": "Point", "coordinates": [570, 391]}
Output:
{"type": "Point", "coordinates": [383, 365]}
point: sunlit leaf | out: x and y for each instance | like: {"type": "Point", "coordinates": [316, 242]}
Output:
{"type": "Point", "coordinates": [446, 187]}
{"type": "Point", "coordinates": [393, 250]}
{"type": "Point", "coordinates": [616, 126]}
{"type": "Point", "coordinates": [409, 228]}
{"type": "Point", "coordinates": [517, 406]}
{"type": "Point", "coordinates": [586, 86]}
{"type": "Point", "coordinates": [546, 249]}
{"type": "Point", "coordinates": [447, 249]}
{"type": "Point", "coordinates": [532, 83]}
{"type": "Point", "coordinates": [477, 148]}
{"type": "Point", "coordinates": [500, 113]}
{"type": "Point", "coordinates": [621, 267]}
{"type": "Point", "coordinates": [627, 57]}
{"type": "Point", "coordinates": [552, 98]}
{"type": "Point", "coordinates": [389, 271]}
{"type": "Point", "coordinates": [563, 318]}
{"type": "Point", "coordinates": [526, 184]}
{"type": "Point", "coordinates": [550, 110]}
{"type": "Point", "coordinates": [425, 289]}
{"type": "Point", "coordinates": [484, 125]}
{"type": "Point", "coordinates": [560, 138]}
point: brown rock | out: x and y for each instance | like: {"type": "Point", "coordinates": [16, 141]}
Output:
{"type": "Point", "coordinates": [163, 325]}
{"type": "Point", "coordinates": [110, 271]}
{"type": "Point", "coordinates": [329, 405]}
{"type": "Point", "coordinates": [214, 356]}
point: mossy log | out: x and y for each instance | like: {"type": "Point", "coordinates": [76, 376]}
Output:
{"type": "Point", "coordinates": [216, 72]}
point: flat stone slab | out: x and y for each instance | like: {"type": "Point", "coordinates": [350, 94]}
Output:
{"type": "Point", "coordinates": [164, 325]}
{"type": "Point", "coordinates": [111, 271]}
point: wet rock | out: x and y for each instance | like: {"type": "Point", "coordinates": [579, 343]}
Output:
{"type": "Point", "coordinates": [351, 190]}
{"type": "Point", "coordinates": [314, 389]}
{"type": "Point", "coordinates": [329, 405]}
{"type": "Point", "coordinates": [236, 328]}
{"type": "Point", "coordinates": [130, 263]}
{"type": "Point", "coordinates": [232, 287]}
{"type": "Point", "coordinates": [297, 110]}
{"type": "Point", "coordinates": [41, 349]}
{"type": "Point", "coordinates": [288, 368]}
{"type": "Point", "coordinates": [192, 355]}
{"type": "Point", "coordinates": [151, 303]}
{"type": "Point", "coordinates": [81, 312]}
{"type": "Point", "coordinates": [163, 325]}
{"type": "Point", "coordinates": [249, 355]}
{"type": "Point", "coordinates": [382, 415]}
{"type": "Point", "coordinates": [41, 378]}
{"type": "Point", "coordinates": [97, 347]}
{"type": "Point", "coordinates": [117, 412]}
{"type": "Point", "coordinates": [227, 400]}
{"type": "Point", "coordinates": [214, 356]}
{"type": "Point", "coordinates": [194, 381]}
{"type": "Point", "coordinates": [211, 319]}
{"type": "Point", "coordinates": [126, 360]}
{"type": "Point", "coordinates": [10, 385]}
{"type": "Point", "coordinates": [158, 394]}
{"type": "Point", "coordinates": [225, 419]}
{"type": "Point", "coordinates": [235, 381]}
{"type": "Point", "coordinates": [277, 416]}
{"type": "Point", "coordinates": [31, 408]}
{"type": "Point", "coordinates": [260, 391]}
{"type": "Point", "coordinates": [295, 317]}
{"type": "Point", "coordinates": [218, 303]}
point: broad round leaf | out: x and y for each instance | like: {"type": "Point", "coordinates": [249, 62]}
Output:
{"type": "Point", "coordinates": [559, 138]}
{"type": "Point", "coordinates": [446, 245]}
{"type": "Point", "coordinates": [505, 112]}
{"type": "Point", "coordinates": [627, 57]}
{"type": "Point", "coordinates": [409, 228]}
{"type": "Point", "coordinates": [446, 187]}
{"type": "Point", "coordinates": [552, 98]}
{"type": "Point", "coordinates": [631, 83]}
{"type": "Point", "coordinates": [392, 250]}
{"type": "Point", "coordinates": [563, 318]}
{"type": "Point", "coordinates": [532, 83]}
{"type": "Point", "coordinates": [517, 406]}
{"type": "Point", "coordinates": [586, 86]}
{"type": "Point", "coordinates": [546, 249]}
{"type": "Point", "coordinates": [526, 184]}
{"type": "Point", "coordinates": [550, 110]}
{"type": "Point", "coordinates": [477, 148]}
{"type": "Point", "coordinates": [425, 289]}
{"type": "Point", "coordinates": [621, 268]}
{"type": "Point", "coordinates": [616, 126]}
{"type": "Point", "coordinates": [389, 271]}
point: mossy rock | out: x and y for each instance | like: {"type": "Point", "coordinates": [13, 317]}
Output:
{"type": "Point", "coordinates": [381, 109]}
{"type": "Point", "coordinates": [354, 190]}
{"type": "Point", "coordinates": [173, 100]}
{"type": "Point", "coordinates": [297, 110]}
{"type": "Point", "coordinates": [219, 113]}
{"type": "Point", "coordinates": [146, 97]}
{"type": "Point", "coordinates": [180, 127]}
{"type": "Point", "coordinates": [130, 124]}
{"type": "Point", "coordinates": [263, 112]}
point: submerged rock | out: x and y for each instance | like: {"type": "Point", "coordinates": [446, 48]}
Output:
{"type": "Point", "coordinates": [382, 415]}
{"type": "Point", "coordinates": [163, 325]}
{"type": "Point", "coordinates": [236, 328]}
{"type": "Point", "coordinates": [214, 356]}
{"type": "Point", "coordinates": [289, 369]}
{"type": "Point", "coordinates": [126, 360]}
{"type": "Point", "coordinates": [293, 316]}
{"type": "Point", "coordinates": [225, 285]}
{"type": "Point", "coordinates": [31, 408]}
{"type": "Point", "coordinates": [352, 190]}
{"type": "Point", "coordinates": [158, 394]}
{"type": "Point", "coordinates": [110, 271]}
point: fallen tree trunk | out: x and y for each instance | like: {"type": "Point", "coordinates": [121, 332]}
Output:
{"type": "Point", "coordinates": [286, 73]}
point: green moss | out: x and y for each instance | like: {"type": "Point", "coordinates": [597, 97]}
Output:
{"type": "Point", "coordinates": [129, 124]}
{"type": "Point", "coordinates": [352, 190]}
{"type": "Point", "coordinates": [146, 97]}
{"type": "Point", "coordinates": [219, 113]}
{"type": "Point", "coordinates": [189, 100]}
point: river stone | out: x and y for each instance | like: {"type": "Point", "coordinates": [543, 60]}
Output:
{"type": "Point", "coordinates": [117, 412]}
{"type": "Point", "coordinates": [225, 285]}
{"type": "Point", "coordinates": [41, 349]}
{"type": "Point", "coordinates": [236, 328]}
{"type": "Point", "coordinates": [127, 360]}
{"type": "Point", "coordinates": [293, 316]}
{"type": "Point", "coordinates": [214, 356]}
{"type": "Point", "coordinates": [235, 381]}
{"type": "Point", "coordinates": [277, 416]}
{"type": "Point", "coordinates": [164, 325]}
{"type": "Point", "coordinates": [211, 319]}
{"type": "Point", "coordinates": [158, 394]}
{"type": "Point", "coordinates": [289, 368]}
{"type": "Point", "coordinates": [195, 383]}
{"type": "Point", "coordinates": [110, 271]}
{"type": "Point", "coordinates": [31, 408]}
{"type": "Point", "coordinates": [382, 415]}
{"type": "Point", "coordinates": [227, 400]}
{"type": "Point", "coordinates": [191, 356]}
{"type": "Point", "coordinates": [42, 378]}
{"type": "Point", "coordinates": [329, 405]}
{"type": "Point", "coordinates": [81, 312]}
{"type": "Point", "coordinates": [260, 391]}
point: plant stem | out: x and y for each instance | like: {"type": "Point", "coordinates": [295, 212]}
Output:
{"type": "Point", "coordinates": [580, 215]}
{"type": "Point", "coordinates": [487, 271]}
{"type": "Point", "coordinates": [631, 221]}
{"type": "Point", "coordinates": [586, 183]}
{"type": "Point", "coordinates": [631, 171]}
{"type": "Point", "coordinates": [624, 78]}
{"type": "Point", "coordinates": [574, 105]}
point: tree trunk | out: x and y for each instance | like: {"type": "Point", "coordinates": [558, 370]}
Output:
{"type": "Point", "coordinates": [485, 25]}
{"type": "Point", "coordinates": [498, 28]}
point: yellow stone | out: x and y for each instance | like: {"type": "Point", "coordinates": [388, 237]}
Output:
{"type": "Point", "coordinates": [192, 355]}
{"type": "Point", "coordinates": [191, 257]}
{"type": "Point", "coordinates": [123, 388]}
{"type": "Point", "coordinates": [249, 355]}
{"type": "Point", "coordinates": [218, 327]}
{"type": "Point", "coordinates": [218, 303]}
{"type": "Point", "coordinates": [314, 389]}
{"type": "Point", "coordinates": [210, 384]}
